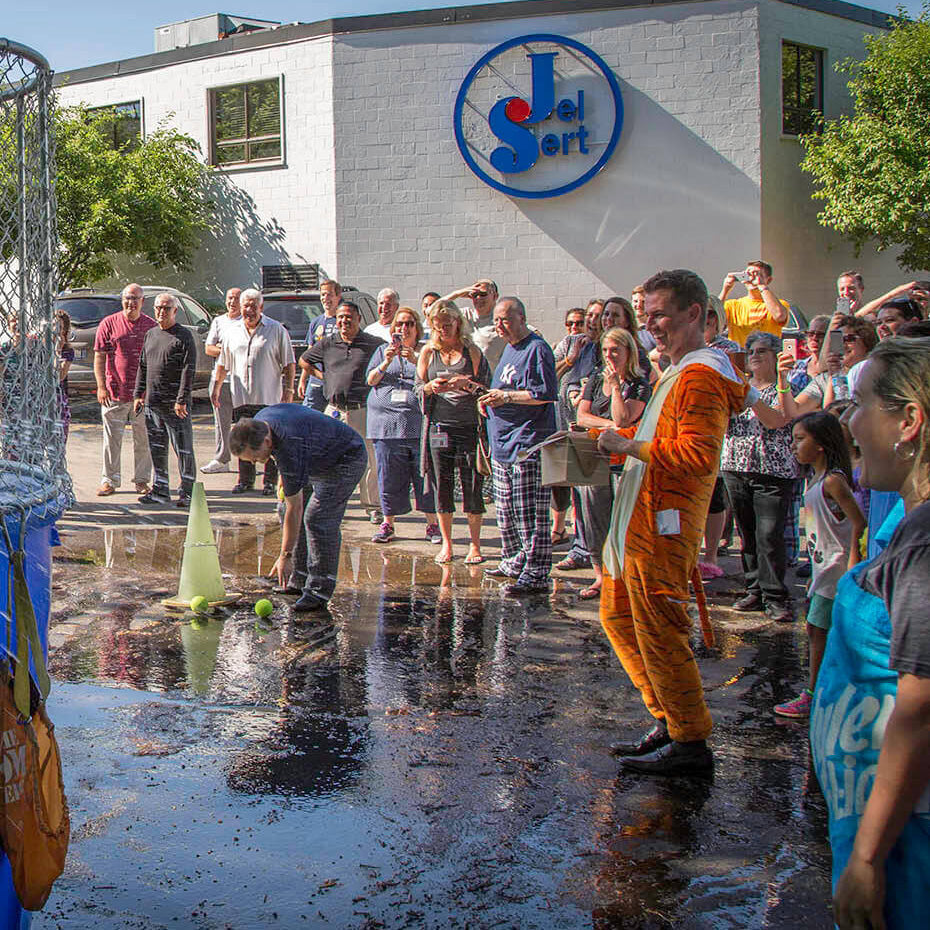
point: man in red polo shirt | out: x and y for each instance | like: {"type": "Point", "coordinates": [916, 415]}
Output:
{"type": "Point", "coordinates": [117, 349]}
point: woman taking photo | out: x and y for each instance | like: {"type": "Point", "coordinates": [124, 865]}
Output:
{"type": "Point", "coordinates": [451, 372]}
{"type": "Point", "coordinates": [870, 725]}
{"type": "Point", "coordinates": [616, 395]}
{"type": "Point", "coordinates": [759, 471]}
{"type": "Point", "coordinates": [395, 421]}
{"type": "Point", "coordinates": [839, 370]}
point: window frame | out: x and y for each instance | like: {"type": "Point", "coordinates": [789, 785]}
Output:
{"type": "Point", "coordinates": [140, 102]}
{"type": "Point", "coordinates": [800, 113]}
{"type": "Point", "coordinates": [213, 147]}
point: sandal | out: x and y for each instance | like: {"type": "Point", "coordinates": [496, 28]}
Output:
{"type": "Point", "coordinates": [559, 537]}
{"type": "Point", "coordinates": [443, 559]}
{"type": "Point", "coordinates": [473, 559]}
{"type": "Point", "coordinates": [570, 564]}
{"type": "Point", "coordinates": [709, 571]}
{"type": "Point", "coordinates": [588, 594]}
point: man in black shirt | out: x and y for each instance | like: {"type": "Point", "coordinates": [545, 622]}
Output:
{"type": "Point", "coordinates": [163, 384]}
{"type": "Point", "coordinates": [340, 362]}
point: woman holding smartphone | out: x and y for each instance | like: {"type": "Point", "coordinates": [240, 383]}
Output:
{"type": "Point", "coordinates": [615, 396]}
{"type": "Point", "coordinates": [394, 422]}
{"type": "Point", "coordinates": [451, 372]}
{"type": "Point", "coordinates": [847, 343]}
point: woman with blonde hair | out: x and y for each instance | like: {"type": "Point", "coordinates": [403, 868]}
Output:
{"type": "Point", "coordinates": [870, 725]}
{"type": "Point", "coordinates": [615, 396]}
{"type": "Point", "coordinates": [451, 372]}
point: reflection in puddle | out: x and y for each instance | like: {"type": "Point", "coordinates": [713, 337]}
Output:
{"type": "Point", "coordinates": [455, 732]}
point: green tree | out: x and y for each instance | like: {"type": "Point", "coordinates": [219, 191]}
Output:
{"type": "Point", "coordinates": [872, 169]}
{"type": "Point", "coordinates": [147, 200]}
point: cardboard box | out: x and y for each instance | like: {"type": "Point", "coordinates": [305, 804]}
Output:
{"type": "Point", "coordinates": [572, 460]}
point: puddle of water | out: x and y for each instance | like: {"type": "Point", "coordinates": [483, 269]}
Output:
{"type": "Point", "coordinates": [438, 761]}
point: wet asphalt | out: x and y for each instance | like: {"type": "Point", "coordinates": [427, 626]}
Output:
{"type": "Point", "coordinates": [431, 754]}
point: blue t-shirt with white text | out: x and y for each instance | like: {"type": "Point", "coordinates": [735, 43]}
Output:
{"type": "Point", "coordinates": [527, 366]}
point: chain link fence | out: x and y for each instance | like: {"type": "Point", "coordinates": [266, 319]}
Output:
{"type": "Point", "coordinates": [33, 475]}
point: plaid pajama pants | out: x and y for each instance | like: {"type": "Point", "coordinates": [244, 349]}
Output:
{"type": "Point", "coordinates": [523, 518]}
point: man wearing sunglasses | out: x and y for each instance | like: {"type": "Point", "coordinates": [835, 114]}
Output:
{"type": "Point", "coordinates": [117, 350]}
{"type": "Point", "coordinates": [483, 294]}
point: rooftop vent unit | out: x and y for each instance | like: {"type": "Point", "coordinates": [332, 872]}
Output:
{"type": "Point", "coordinates": [290, 277]}
{"type": "Point", "coordinates": [206, 29]}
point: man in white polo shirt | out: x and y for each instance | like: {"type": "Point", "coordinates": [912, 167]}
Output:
{"type": "Point", "coordinates": [222, 415]}
{"type": "Point", "coordinates": [259, 360]}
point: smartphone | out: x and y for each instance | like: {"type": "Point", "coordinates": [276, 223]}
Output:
{"type": "Point", "coordinates": [397, 340]}
{"type": "Point", "coordinates": [843, 305]}
{"type": "Point", "coordinates": [836, 337]}
{"type": "Point", "coordinates": [791, 345]}
{"type": "Point", "coordinates": [475, 387]}
{"type": "Point", "coordinates": [741, 276]}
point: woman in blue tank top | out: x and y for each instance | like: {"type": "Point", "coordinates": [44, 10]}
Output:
{"type": "Point", "coordinates": [870, 725]}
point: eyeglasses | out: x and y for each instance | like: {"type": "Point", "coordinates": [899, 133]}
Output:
{"type": "Point", "coordinates": [849, 338]}
{"type": "Point", "coordinates": [759, 351]}
{"type": "Point", "coordinates": [404, 323]}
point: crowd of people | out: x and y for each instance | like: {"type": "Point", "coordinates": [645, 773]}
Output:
{"type": "Point", "coordinates": [713, 424]}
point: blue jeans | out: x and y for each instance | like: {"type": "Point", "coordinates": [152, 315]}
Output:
{"type": "Point", "coordinates": [163, 424]}
{"type": "Point", "coordinates": [399, 468]}
{"type": "Point", "coordinates": [316, 557]}
{"type": "Point", "coordinates": [314, 398]}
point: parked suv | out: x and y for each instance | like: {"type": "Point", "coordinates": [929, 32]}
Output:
{"type": "Point", "coordinates": [87, 307]}
{"type": "Point", "coordinates": [296, 309]}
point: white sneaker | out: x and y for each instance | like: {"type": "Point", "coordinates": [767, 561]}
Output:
{"type": "Point", "coordinates": [214, 467]}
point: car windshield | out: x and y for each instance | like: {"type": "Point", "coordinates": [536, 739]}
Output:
{"type": "Point", "coordinates": [293, 315]}
{"type": "Point", "coordinates": [88, 309]}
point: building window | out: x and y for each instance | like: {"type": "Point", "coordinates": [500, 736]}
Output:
{"type": "Point", "coordinates": [801, 87]}
{"type": "Point", "coordinates": [120, 123]}
{"type": "Point", "coordinates": [246, 123]}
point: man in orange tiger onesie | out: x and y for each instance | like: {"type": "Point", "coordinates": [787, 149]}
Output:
{"type": "Point", "coordinates": [651, 553]}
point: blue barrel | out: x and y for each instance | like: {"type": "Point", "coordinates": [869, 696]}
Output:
{"type": "Point", "coordinates": [40, 534]}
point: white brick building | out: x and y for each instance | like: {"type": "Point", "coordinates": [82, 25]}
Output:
{"type": "Point", "coordinates": [370, 183]}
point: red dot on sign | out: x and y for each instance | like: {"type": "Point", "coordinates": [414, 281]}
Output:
{"type": "Point", "coordinates": [517, 110]}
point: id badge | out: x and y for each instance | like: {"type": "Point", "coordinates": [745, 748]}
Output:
{"type": "Point", "coordinates": [668, 522]}
{"type": "Point", "coordinates": [399, 397]}
{"type": "Point", "coordinates": [439, 440]}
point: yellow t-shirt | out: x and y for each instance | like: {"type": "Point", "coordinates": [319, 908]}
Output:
{"type": "Point", "coordinates": [746, 314]}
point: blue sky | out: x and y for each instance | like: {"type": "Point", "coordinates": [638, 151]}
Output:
{"type": "Point", "coordinates": [75, 33]}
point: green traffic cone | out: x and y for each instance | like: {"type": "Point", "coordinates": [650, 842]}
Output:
{"type": "Point", "coordinates": [200, 564]}
{"type": "Point", "coordinates": [200, 649]}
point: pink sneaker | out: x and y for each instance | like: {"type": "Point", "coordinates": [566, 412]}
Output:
{"type": "Point", "coordinates": [710, 572]}
{"type": "Point", "coordinates": [798, 708]}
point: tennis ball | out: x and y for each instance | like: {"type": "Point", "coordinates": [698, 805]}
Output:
{"type": "Point", "coordinates": [264, 607]}
{"type": "Point", "coordinates": [199, 604]}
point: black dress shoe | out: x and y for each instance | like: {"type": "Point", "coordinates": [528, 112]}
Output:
{"type": "Point", "coordinates": [648, 742]}
{"type": "Point", "coordinates": [309, 603]}
{"type": "Point", "coordinates": [749, 603]}
{"type": "Point", "coordinates": [520, 589]}
{"type": "Point", "coordinates": [241, 488]}
{"type": "Point", "coordinates": [694, 758]}
{"type": "Point", "coordinates": [268, 491]}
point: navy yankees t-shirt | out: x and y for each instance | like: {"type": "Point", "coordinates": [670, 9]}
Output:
{"type": "Point", "coordinates": [527, 366]}
{"type": "Point", "coordinates": [306, 443]}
